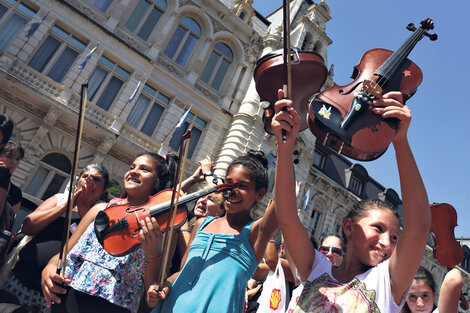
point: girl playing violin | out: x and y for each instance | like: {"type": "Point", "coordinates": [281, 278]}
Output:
{"type": "Point", "coordinates": [98, 281]}
{"type": "Point", "coordinates": [224, 251]}
{"type": "Point", "coordinates": [377, 269]}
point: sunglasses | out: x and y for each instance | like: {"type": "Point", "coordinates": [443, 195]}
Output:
{"type": "Point", "coordinates": [335, 251]}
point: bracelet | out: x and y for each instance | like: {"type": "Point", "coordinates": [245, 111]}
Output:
{"type": "Point", "coordinates": [272, 241]}
{"type": "Point", "coordinates": [186, 230]}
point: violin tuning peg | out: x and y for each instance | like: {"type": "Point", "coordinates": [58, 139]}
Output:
{"type": "Point", "coordinates": [411, 27]}
{"type": "Point", "coordinates": [432, 37]}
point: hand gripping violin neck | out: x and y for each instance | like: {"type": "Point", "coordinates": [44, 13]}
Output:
{"type": "Point", "coordinates": [340, 116]}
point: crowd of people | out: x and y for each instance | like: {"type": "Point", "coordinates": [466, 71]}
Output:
{"type": "Point", "coordinates": [222, 255]}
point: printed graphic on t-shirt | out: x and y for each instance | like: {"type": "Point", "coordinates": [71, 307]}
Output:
{"type": "Point", "coordinates": [325, 294]}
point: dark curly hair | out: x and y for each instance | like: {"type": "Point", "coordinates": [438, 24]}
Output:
{"type": "Point", "coordinates": [257, 164]}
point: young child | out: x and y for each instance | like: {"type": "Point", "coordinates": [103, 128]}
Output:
{"type": "Point", "coordinates": [377, 269]}
{"type": "Point", "coordinates": [423, 292]}
{"type": "Point", "coordinates": [99, 281]}
{"type": "Point", "coordinates": [224, 251]}
{"type": "Point", "coordinates": [46, 224]}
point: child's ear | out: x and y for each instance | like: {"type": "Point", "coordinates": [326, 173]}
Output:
{"type": "Point", "coordinates": [260, 194]}
{"type": "Point", "coordinates": [348, 227]}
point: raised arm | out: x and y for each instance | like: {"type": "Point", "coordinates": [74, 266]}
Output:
{"type": "Point", "coordinates": [451, 289]}
{"type": "Point", "coordinates": [295, 235]}
{"type": "Point", "coordinates": [410, 248]}
{"type": "Point", "coordinates": [51, 209]}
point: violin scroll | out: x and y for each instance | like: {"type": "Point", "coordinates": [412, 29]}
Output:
{"type": "Point", "coordinates": [426, 24]}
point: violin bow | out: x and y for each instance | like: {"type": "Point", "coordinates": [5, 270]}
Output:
{"type": "Point", "coordinates": [287, 68]}
{"type": "Point", "coordinates": [73, 181]}
{"type": "Point", "coordinates": [173, 208]}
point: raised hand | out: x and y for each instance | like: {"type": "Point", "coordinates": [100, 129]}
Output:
{"type": "Point", "coordinates": [287, 120]}
{"type": "Point", "coordinates": [391, 105]}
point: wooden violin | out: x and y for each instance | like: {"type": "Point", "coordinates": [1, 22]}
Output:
{"type": "Point", "coordinates": [300, 73]}
{"type": "Point", "coordinates": [340, 116]}
{"type": "Point", "coordinates": [447, 251]}
{"type": "Point", "coordinates": [308, 75]}
{"type": "Point", "coordinates": [117, 227]}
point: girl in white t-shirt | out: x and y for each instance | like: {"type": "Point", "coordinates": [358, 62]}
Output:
{"type": "Point", "coordinates": [377, 270]}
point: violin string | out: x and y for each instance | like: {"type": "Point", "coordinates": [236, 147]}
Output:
{"type": "Point", "coordinates": [395, 60]}
{"type": "Point", "coordinates": [404, 51]}
{"type": "Point", "coordinates": [399, 55]}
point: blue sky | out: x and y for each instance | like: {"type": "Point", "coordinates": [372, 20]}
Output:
{"type": "Point", "coordinates": [440, 128]}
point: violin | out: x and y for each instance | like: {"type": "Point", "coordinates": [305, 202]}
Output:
{"type": "Point", "coordinates": [308, 75]}
{"type": "Point", "coordinates": [117, 227]}
{"type": "Point", "coordinates": [447, 251]}
{"type": "Point", "coordinates": [341, 116]}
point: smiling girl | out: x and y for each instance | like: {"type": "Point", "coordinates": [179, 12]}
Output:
{"type": "Point", "coordinates": [224, 251]}
{"type": "Point", "coordinates": [100, 282]}
{"type": "Point", "coordinates": [377, 269]}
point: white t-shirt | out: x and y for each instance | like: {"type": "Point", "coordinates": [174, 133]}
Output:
{"type": "Point", "coordinates": [367, 292]}
{"type": "Point", "coordinates": [295, 297]}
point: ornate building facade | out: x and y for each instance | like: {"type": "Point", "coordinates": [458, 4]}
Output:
{"type": "Point", "coordinates": [146, 63]}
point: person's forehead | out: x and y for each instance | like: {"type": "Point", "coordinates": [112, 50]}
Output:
{"type": "Point", "coordinates": [331, 241]}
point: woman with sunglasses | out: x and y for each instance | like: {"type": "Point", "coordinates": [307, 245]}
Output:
{"type": "Point", "coordinates": [332, 247]}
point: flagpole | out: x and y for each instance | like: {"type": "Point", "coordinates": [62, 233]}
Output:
{"type": "Point", "coordinates": [84, 62]}
{"type": "Point", "coordinates": [179, 124]}
{"type": "Point", "coordinates": [32, 29]}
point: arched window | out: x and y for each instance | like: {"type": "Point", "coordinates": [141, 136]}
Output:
{"type": "Point", "coordinates": [145, 16]}
{"type": "Point", "coordinates": [50, 177]}
{"type": "Point", "coordinates": [183, 41]}
{"type": "Point", "coordinates": [217, 65]}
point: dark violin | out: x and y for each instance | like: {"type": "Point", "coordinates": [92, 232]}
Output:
{"type": "Point", "coordinates": [308, 75]}
{"type": "Point", "coordinates": [117, 227]}
{"type": "Point", "coordinates": [340, 116]}
{"type": "Point", "coordinates": [447, 251]}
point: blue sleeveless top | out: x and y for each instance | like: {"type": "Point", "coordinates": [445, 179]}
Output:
{"type": "Point", "coordinates": [214, 277]}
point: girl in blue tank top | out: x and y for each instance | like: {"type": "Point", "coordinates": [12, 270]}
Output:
{"type": "Point", "coordinates": [224, 251]}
